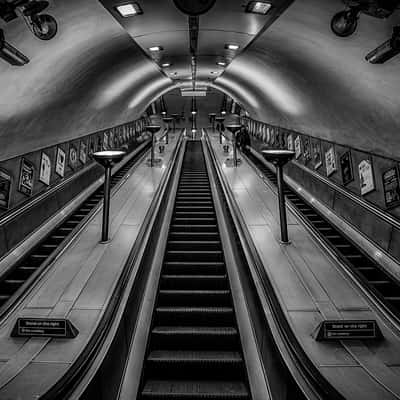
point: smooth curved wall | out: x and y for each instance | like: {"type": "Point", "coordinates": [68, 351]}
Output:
{"type": "Point", "coordinates": [90, 77]}
{"type": "Point", "coordinates": [300, 76]}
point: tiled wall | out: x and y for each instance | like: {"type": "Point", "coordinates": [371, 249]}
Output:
{"type": "Point", "coordinates": [18, 186]}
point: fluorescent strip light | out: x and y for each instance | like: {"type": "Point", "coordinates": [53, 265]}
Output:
{"type": "Point", "coordinates": [129, 9]}
{"type": "Point", "coordinates": [258, 7]}
{"type": "Point", "coordinates": [166, 65]}
{"type": "Point", "coordinates": [221, 63]}
{"type": "Point", "coordinates": [193, 93]}
{"type": "Point", "coordinates": [231, 46]}
{"type": "Point", "coordinates": [155, 48]}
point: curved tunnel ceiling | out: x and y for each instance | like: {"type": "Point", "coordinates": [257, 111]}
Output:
{"type": "Point", "coordinates": [296, 74]}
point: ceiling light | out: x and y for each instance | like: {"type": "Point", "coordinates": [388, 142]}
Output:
{"type": "Point", "coordinates": [221, 63]}
{"type": "Point", "coordinates": [166, 65]}
{"type": "Point", "coordinates": [156, 48]}
{"type": "Point", "coordinates": [258, 7]}
{"type": "Point", "coordinates": [129, 9]}
{"type": "Point", "coordinates": [231, 46]}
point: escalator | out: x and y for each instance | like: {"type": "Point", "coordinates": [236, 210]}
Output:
{"type": "Point", "coordinates": [384, 287]}
{"type": "Point", "coordinates": [18, 278]}
{"type": "Point", "coordinates": [194, 349]}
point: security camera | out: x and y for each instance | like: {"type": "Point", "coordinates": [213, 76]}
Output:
{"type": "Point", "coordinates": [386, 50]}
{"type": "Point", "coordinates": [10, 54]}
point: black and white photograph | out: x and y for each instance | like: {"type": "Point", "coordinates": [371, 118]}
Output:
{"type": "Point", "coordinates": [26, 177]}
{"type": "Point", "coordinates": [151, 256]}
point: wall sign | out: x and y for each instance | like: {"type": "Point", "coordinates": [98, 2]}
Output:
{"type": "Point", "coordinates": [82, 152]}
{"type": "Point", "coordinates": [290, 143]}
{"type": "Point", "coordinates": [348, 330]}
{"type": "Point", "coordinates": [316, 153]}
{"type": "Point", "coordinates": [73, 156]}
{"type": "Point", "coordinates": [5, 189]}
{"type": "Point", "coordinates": [330, 161]}
{"type": "Point", "coordinates": [26, 177]}
{"type": "Point", "coordinates": [297, 147]}
{"type": "Point", "coordinates": [346, 167]}
{"type": "Point", "coordinates": [366, 174]}
{"type": "Point", "coordinates": [306, 149]}
{"type": "Point", "coordinates": [45, 169]}
{"type": "Point", "coordinates": [391, 187]}
{"type": "Point", "coordinates": [60, 162]}
{"type": "Point", "coordinates": [44, 327]}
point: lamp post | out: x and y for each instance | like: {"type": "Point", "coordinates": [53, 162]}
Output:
{"type": "Point", "coordinates": [212, 118]}
{"type": "Point", "coordinates": [279, 158]}
{"type": "Point", "coordinates": [175, 117]}
{"type": "Point", "coordinates": [167, 120]}
{"type": "Point", "coordinates": [220, 120]}
{"type": "Point", "coordinates": [234, 129]}
{"type": "Point", "coordinates": [152, 129]}
{"type": "Point", "coordinates": [107, 159]}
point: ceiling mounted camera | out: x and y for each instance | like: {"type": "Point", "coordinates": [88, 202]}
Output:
{"type": "Point", "coordinates": [386, 50]}
{"type": "Point", "coordinates": [43, 26]}
{"type": "Point", "coordinates": [345, 22]}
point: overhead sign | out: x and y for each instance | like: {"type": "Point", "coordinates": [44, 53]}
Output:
{"type": "Point", "coordinates": [44, 327]}
{"type": "Point", "coordinates": [348, 329]}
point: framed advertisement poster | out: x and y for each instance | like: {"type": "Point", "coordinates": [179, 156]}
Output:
{"type": "Point", "coordinates": [45, 169]}
{"type": "Point", "coordinates": [82, 152]}
{"type": "Point", "coordinates": [316, 153]}
{"type": "Point", "coordinates": [346, 167]}
{"type": "Point", "coordinates": [73, 156]}
{"type": "Point", "coordinates": [297, 147]}
{"type": "Point", "coordinates": [5, 189]}
{"type": "Point", "coordinates": [106, 141]}
{"type": "Point", "coordinates": [60, 162]}
{"type": "Point", "coordinates": [307, 149]}
{"type": "Point", "coordinates": [366, 174]}
{"type": "Point", "coordinates": [26, 175]}
{"type": "Point", "coordinates": [391, 187]}
{"type": "Point", "coordinates": [290, 143]}
{"type": "Point", "coordinates": [330, 161]}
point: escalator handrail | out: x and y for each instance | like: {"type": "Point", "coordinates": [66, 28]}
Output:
{"type": "Point", "coordinates": [100, 339]}
{"type": "Point", "coordinates": [317, 384]}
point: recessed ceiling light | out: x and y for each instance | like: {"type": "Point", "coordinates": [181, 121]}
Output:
{"type": "Point", "coordinates": [155, 48]}
{"type": "Point", "coordinates": [231, 46]}
{"type": "Point", "coordinates": [258, 7]}
{"type": "Point", "coordinates": [166, 65]}
{"type": "Point", "coordinates": [221, 63]}
{"type": "Point", "coordinates": [129, 9]}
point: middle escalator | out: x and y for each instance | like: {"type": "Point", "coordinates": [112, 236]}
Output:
{"type": "Point", "coordinates": [194, 349]}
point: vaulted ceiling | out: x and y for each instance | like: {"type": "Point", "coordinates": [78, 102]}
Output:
{"type": "Point", "coordinates": [289, 70]}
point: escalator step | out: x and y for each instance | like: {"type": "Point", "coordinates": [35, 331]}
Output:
{"type": "Point", "coordinates": [190, 364]}
{"type": "Point", "coordinates": [189, 316]}
{"type": "Point", "coordinates": [196, 268]}
{"type": "Point", "coordinates": [195, 338]}
{"type": "Point", "coordinates": [194, 298]}
{"type": "Point", "coordinates": [195, 390]}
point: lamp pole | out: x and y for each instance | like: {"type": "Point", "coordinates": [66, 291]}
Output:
{"type": "Point", "coordinates": [279, 158]}
{"type": "Point", "coordinates": [167, 120]}
{"type": "Point", "coordinates": [212, 118]}
{"type": "Point", "coordinates": [220, 120]}
{"type": "Point", "coordinates": [234, 129]}
{"type": "Point", "coordinates": [175, 117]}
{"type": "Point", "coordinates": [152, 129]}
{"type": "Point", "coordinates": [107, 159]}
